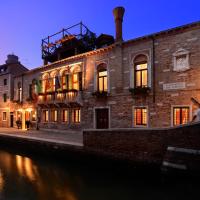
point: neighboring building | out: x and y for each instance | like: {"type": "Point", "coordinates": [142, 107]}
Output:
{"type": "Point", "coordinates": [144, 82]}
{"type": "Point", "coordinates": [11, 68]}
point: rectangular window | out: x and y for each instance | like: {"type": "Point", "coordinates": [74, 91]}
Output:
{"type": "Point", "coordinates": [46, 115]}
{"type": "Point", "coordinates": [76, 115]}
{"type": "Point", "coordinates": [141, 75]}
{"type": "Point", "coordinates": [75, 81]}
{"type": "Point", "coordinates": [5, 97]}
{"type": "Point", "coordinates": [5, 81]}
{"type": "Point", "coordinates": [64, 82]}
{"type": "Point", "coordinates": [54, 115]}
{"type": "Point", "coordinates": [102, 81]}
{"type": "Point", "coordinates": [4, 116]}
{"type": "Point", "coordinates": [180, 115]}
{"type": "Point", "coordinates": [140, 116]}
{"type": "Point", "coordinates": [65, 116]}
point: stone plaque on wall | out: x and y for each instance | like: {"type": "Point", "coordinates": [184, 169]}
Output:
{"type": "Point", "coordinates": [174, 86]}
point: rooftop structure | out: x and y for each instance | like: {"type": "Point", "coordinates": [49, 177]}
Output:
{"type": "Point", "coordinates": [72, 41]}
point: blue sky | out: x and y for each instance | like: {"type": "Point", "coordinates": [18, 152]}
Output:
{"type": "Point", "coordinates": [25, 22]}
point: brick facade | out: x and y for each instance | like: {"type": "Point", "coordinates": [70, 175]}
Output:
{"type": "Point", "coordinates": [168, 87]}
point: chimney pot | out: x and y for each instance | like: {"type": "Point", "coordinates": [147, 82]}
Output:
{"type": "Point", "coordinates": [118, 13]}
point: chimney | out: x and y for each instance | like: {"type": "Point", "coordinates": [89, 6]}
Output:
{"type": "Point", "coordinates": [12, 59]}
{"type": "Point", "coordinates": [118, 13]}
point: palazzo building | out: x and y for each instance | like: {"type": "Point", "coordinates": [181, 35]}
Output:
{"type": "Point", "coordinates": [100, 82]}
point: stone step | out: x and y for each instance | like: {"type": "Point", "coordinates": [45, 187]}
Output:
{"type": "Point", "coordinates": [181, 159]}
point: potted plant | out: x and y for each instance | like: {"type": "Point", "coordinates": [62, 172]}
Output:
{"type": "Point", "coordinates": [140, 90]}
{"type": "Point", "coordinates": [100, 93]}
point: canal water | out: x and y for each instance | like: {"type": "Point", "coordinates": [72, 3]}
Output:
{"type": "Point", "coordinates": [25, 177]}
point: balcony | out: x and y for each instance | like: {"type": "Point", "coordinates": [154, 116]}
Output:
{"type": "Point", "coordinates": [69, 98]}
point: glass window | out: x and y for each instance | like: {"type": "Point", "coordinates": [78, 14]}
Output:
{"type": "Point", "coordinates": [76, 117]}
{"type": "Point", "coordinates": [180, 115]}
{"type": "Point", "coordinates": [5, 97]}
{"type": "Point", "coordinates": [54, 115]}
{"type": "Point", "coordinates": [102, 80]}
{"type": "Point", "coordinates": [5, 81]}
{"type": "Point", "coordinates": [141, 75]}
{"type": "Point", "coordinates": [4, 116]}
{"type": "Point", "coordinates": [75, 81]}
{"type": "Point", "coordinates": [140, 116]}
{"type": "Point", "coordinates": [46, 115]}
{"type": "Point", "coordinates": [65, 116]}
{"type": "Point", "coordinates": [64, 82]}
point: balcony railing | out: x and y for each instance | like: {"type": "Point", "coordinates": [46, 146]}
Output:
{"type": "Point", "coordinates": [61, 98]}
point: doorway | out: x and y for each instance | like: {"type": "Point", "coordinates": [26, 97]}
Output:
{"type": "Point", "coordinates": [11, 120]}
{"type": "Point", "coordinates": [102, 118]}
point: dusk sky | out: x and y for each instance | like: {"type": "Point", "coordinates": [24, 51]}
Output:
{"type": "Point", "coordinates": [25, 22]}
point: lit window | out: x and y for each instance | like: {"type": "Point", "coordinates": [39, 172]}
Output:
{"type": "Point", "coordinates": [19, 92]}
{"type": "Point", "coordinates": [76, 117]}
{"type": "Point", "coordinates": [64, 82]}
{"type": "Point", "coordinates": [141, 75]}
{"type": "Point", "coordinates": [46, 115]}
{"type": "Point", "coordinates": [4, 116]}
{"type": "Point", "coordinates": [180, 115]}
{"type": "Point", "coordinates": [75, 81]}
{"type": "Point", "coordinates": [140, 116]}
{"type": "Point", "coordinates": [65, 116]}
{"type": "Point", "coordinates": [54, 115]}
{"type": "Point", "coordinates": [102, 80]}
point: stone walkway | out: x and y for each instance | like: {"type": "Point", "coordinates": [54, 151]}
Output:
{"type": "Point", "coordinates": [70, 138]}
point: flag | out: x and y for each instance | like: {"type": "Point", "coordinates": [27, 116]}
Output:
{"type": "Point", "coordinates": [57, 83]}
{"type": "Point", "coordinates": [39, 86]}
{"type": "Point", "coordinates": [47, 85]}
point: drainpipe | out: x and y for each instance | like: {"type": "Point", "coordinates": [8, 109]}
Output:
{"type": "Point", "coordinates": [153, 68]}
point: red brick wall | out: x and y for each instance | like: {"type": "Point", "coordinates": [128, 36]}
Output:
{"type": "Point", "coordinates": [141, 145]}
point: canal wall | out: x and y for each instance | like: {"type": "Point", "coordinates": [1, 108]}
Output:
{"type": "Point", "coordinates": [147, 146]}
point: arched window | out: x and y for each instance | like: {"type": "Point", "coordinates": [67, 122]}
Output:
{"type": "Point", "coordinates": [141, 71]}
{"type": "Point", "coordinates": [33, 89]}
{"type": "Point", "coordinates": [75, 80]}
{"type": "Point", "coordinates": [19, 91]}
{"type": "Point", "coordinates": [64, 80]}
{"type": "Point", "coordinates": [54, 81]}
{"type": "Point", "coordinates": [102, 78]}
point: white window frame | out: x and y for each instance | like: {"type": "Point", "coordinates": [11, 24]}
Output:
{"type": "Point", "coordinates": [149, 71]}
{"type": "Point", "coordinates": [179, 106]}
{"type": "Point", "coordinates": [68, 117]}
{"type": "Point", "coordinates": [72, 116]}
{"type": "Point", "coordinates": [133, 117]}
{"type": "Point", "coordinates": [2, 116]}
{"type": "Point", "coordinates": [97, 63]}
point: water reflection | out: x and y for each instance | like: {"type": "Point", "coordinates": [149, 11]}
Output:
{"type": "Point", "coordinates": [26, 168]}
{"type": "Point", "coordinates": [46, 183]}
{"type": "Point", "coordinates": [25, 178]}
